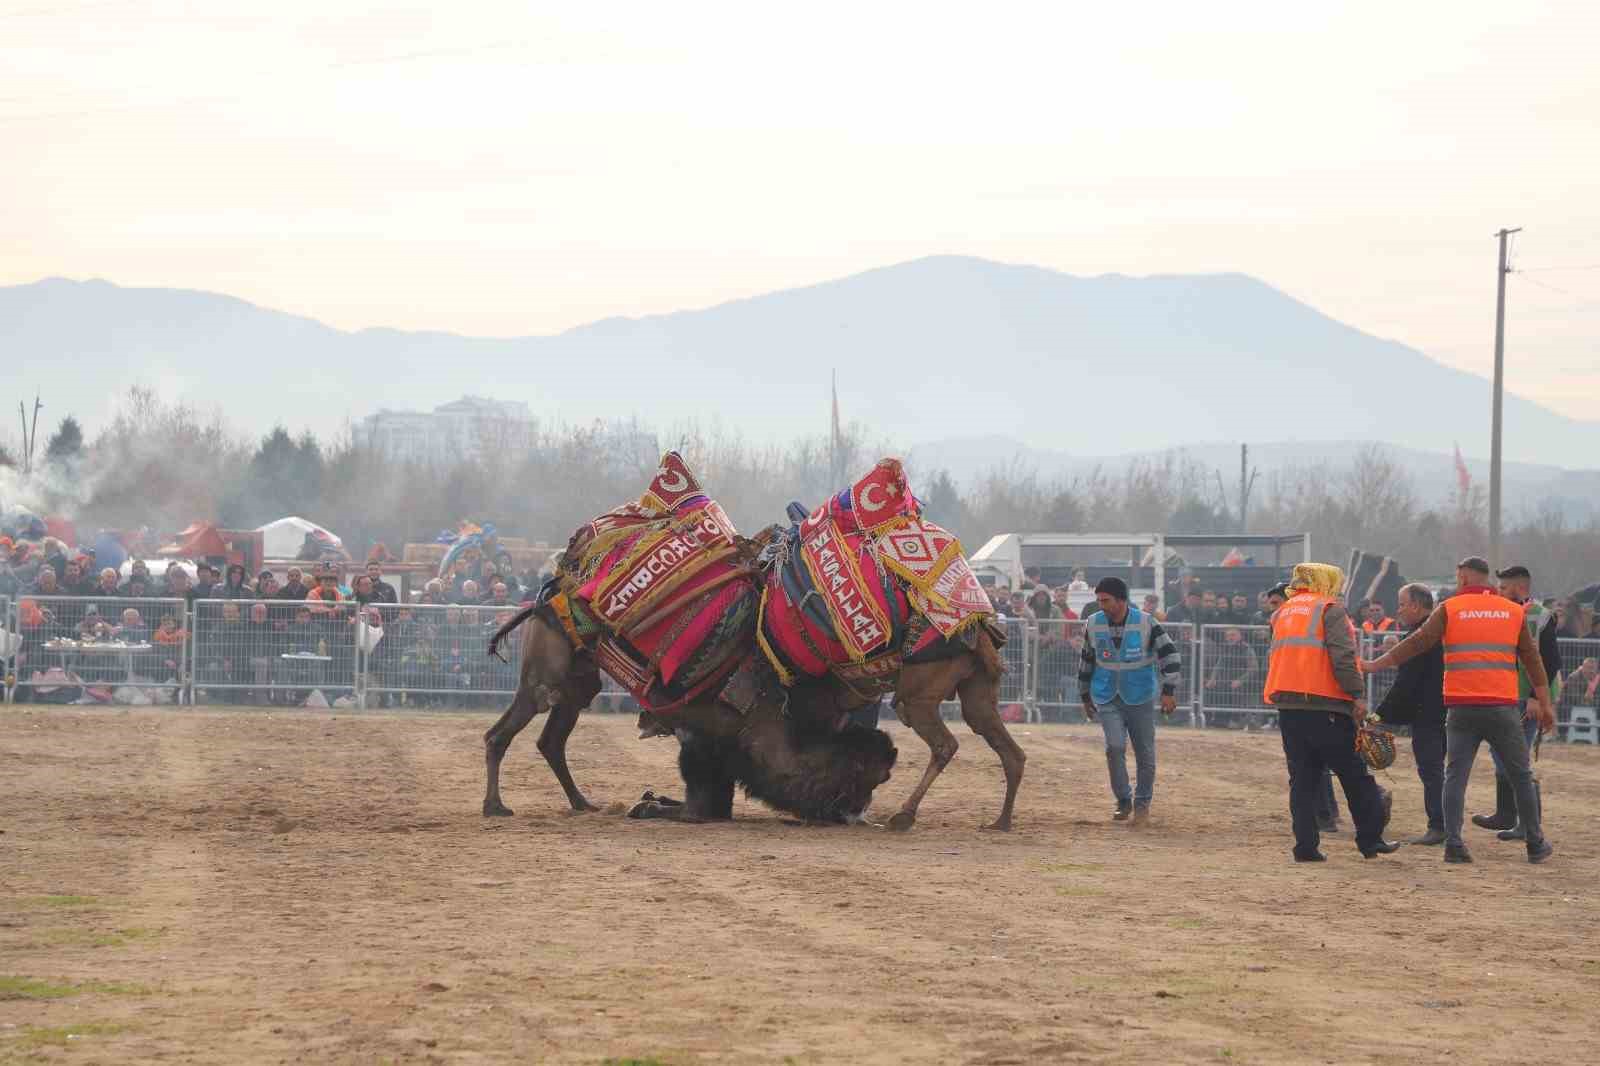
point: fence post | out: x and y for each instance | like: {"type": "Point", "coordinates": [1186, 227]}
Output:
{"type": "Point", "coordinates": [1030, 660]}
{"type": "Point", "coordinates": [358, 684]}
{"type": "Point", "coordinates": [1199, 677]}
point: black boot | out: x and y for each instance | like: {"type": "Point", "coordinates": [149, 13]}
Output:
{"type": "Point", "coordinates": [1505, 807]}
{"type": "Point", "coordinates": [1520, 831]}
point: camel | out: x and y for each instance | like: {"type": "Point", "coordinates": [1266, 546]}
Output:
{"type": "Point", "coordinates": [561, 680]}
{"type": "Point", "coordinates": [811, 771]}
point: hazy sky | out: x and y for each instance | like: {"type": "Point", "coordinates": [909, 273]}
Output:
{"type": "Point", "coordinates": [501, 168]}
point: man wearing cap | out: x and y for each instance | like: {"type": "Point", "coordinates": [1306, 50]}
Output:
{"type": "Point", "coordinates": [1123, 649]}
{"type": "Point", "coordinates": [1313, 681]}
{"type": "Point", "coordinates": [1516, 583]}
{"type": "Point", "coordinates": [1416, 699]}
{"type": "Point", "coordinates": [1485, 636]}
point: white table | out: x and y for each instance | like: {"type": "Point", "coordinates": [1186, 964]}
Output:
{"type": "Point", "coordinates": [100, 647]}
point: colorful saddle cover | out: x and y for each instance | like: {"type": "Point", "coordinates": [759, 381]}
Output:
{"type": "Point", "coordinates": [856, 575]}
{"type": "Point", "coordinates": [659, 590]}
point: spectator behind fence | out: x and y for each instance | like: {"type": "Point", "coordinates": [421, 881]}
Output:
{"type": "Point", "coordinates": [107, 588]}
{"type": "Point", "coordinates": [235, 587]}
{"type": "Point", "coordinates": [263, 644]}
{"type": "Point", "coordinates": [1189, 612]}
{"type": "Point", "coordinates": [10, 584]}
{"type": "Point", "coordinates": [168, 658]}
{"type": "Point", "coordinates": [266, 586]}
{"type": "Point", "coordinates": [1234, 671]}
{"type": "Point", "coordinates": [324, 598]}
{"type": "Point", "coordinates": [1040, 606]}
{"type": "Point", "coordinates": [433, 593]}
{"type": "Point", "coordinates": [382, 591]}
{"type": "Point", "coordinates": [469, 595]}
{"type": "Point", "coordinates": [294, 586]}
{"type": "Point", "coordinates": [1239, 609]}
{"type": "Point", "coordinates": [1582, 689]}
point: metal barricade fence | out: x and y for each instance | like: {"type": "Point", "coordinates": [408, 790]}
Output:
{"type": "Point", "coordinates": [1578, 705]}
{"type": "Point", "coordinates": [424, 655]}
{"type": "Point", "coordinates": [9, 642]}
{"type": "Point", "coordinates": [1231, 667]}
{"type": "Point", "coordinates": [99, 649]}
{"type": "Point", "coordinates": [1370, 646]}
{"type": "Point", "coordinates": [274, 652]}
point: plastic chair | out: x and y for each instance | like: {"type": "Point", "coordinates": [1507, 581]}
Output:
{"type": "Point", "coordinates": [1583, 727]}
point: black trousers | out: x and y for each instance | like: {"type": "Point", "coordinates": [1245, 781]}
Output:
{"type": "Point", "coordinates": [1312, 742]}
{"type": "Point", "coordinates": [1427, 747]}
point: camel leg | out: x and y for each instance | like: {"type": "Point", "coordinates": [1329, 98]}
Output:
{"type": "Point", "coordinates": [553, 740]}
{"type": "Point", "coordinates": [922, 715]}
{"type": "Point", "coordinates": [980, 706]}
{"type": "Point", "coordinates": [524, 706]}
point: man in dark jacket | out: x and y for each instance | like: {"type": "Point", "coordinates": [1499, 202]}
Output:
{"type": "Point", "coordinates": [294, 588]}
{"type": "Point", "coordinates": [1417, 699]}
{"type": "Point", "coordinates": [382, 591]}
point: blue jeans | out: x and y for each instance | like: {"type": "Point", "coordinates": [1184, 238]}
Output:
{"type": "Point", "coordinates": [1121, 722]}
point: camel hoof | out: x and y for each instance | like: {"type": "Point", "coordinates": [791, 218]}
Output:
{"type": "Point", "coordinates": [496, 810]}
{"type": "Point", "coordinates": [902, 821]}
{"type": "Point", "coordinates": [999, 825]}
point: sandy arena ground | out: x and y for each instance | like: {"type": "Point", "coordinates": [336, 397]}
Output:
{"type": "Point", "coordinates": [222, 887]}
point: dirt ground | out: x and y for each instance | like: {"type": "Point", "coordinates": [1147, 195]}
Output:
{"type": "Point", "coordinates": [222, 887]}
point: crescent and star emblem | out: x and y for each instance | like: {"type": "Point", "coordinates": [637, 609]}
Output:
{"type": "Point", "coordinates": [866, 497]}
{"type": "Point", "coordinates": [672, 480]}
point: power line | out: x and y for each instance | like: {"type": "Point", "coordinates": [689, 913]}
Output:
{"type": "Point", "coordinates": [1587, 305]}
{"type": "Point", "coordinates": [1548, 269]}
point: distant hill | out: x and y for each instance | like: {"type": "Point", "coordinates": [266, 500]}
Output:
{"type": "Point", "coordinates": [1529, 487]}
{"type": "Point", "coordinates": [925, 350]}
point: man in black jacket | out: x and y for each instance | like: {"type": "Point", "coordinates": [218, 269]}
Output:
{"type": "Point", "coordinates": [1417, 699]}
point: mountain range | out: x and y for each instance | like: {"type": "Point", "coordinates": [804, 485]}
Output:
{"type": "Point", "coordinates": [930, 350]}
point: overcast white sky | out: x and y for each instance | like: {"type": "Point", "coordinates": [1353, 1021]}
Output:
{"type": "Point", "coordinates": [506, 168]}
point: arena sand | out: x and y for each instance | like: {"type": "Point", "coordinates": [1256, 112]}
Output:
{"type": "Point", "coordinates": [254, 886]}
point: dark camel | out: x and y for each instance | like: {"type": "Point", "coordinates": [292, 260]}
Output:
{"type": "Point", "coordinates": [974, 677]}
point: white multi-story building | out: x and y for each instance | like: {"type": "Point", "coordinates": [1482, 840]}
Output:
{"type": "Point", "coordinates": [467, 428]}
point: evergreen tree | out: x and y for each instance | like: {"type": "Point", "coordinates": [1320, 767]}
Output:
{"type": "Point", "coordinates": [67, 443]}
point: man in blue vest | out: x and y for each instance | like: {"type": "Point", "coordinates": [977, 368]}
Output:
{"type": "Point", "coordinates": [1123, 650]}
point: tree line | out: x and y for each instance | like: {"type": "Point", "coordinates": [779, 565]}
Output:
{"type": "Point", "coordinates": [164, 464]}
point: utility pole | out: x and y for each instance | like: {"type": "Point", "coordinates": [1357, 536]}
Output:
{"type": "Point", "coordinates": [1499, 393]}
{"type": "Point", "coordinates": [1247, 480]}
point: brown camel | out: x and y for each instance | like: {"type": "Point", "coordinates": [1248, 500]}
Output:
{"type": "Point", "coordinates": [816, 773]}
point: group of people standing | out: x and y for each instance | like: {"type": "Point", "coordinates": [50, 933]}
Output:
{"type": "Point", "coordinates": [1473, 669]}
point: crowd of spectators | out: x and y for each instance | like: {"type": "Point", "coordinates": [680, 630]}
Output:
{"type": "Point", "coordinates": [258, 640]}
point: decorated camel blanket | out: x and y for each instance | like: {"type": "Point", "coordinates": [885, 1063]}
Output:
{"type": "Point", "coordinates": [858, 577]}
{"type": "Point", "coordinates": [660, 592]}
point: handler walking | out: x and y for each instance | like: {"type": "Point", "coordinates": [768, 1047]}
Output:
{"type": "Point", "coordinates": [1485, 635]}
{"type": "Point", "coordinates": [1313, 681]}
{"type": "Point", "coordinates": [1516, 584]}
{"type": "Point", "coordinates": [1122, 651]}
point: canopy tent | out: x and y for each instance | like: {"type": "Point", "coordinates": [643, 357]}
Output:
{"type": "Point", "coordinates": [284, 538]}
{"type": "Point", "coordinates": [200, 541]}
